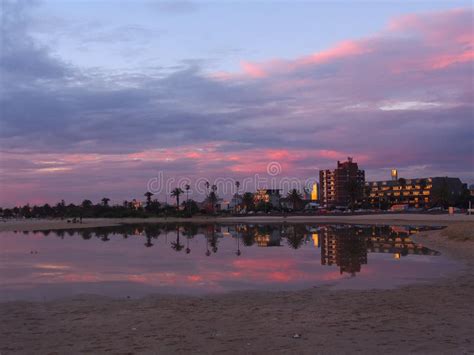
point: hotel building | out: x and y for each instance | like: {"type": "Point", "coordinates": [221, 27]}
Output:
{"type": "Point", "coordinates": [333, 183]}
{"type": "Point", "coordinates": [422, 192]}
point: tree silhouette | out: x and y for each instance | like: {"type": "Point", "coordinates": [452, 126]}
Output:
{"type": "Point", "coordinates": [176, 193]}
{"type": "Point", "coordinates": [148, 196]}
{"type": "Point", "coordinates": [248, 201]}
{"type": "Point", "coordinates": [296, 199]}
{"type": "Point", "coordinates": [86, 204]}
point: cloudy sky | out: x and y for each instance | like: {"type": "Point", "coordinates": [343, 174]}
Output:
{"type": "Point", "coordinates": [99, 97]}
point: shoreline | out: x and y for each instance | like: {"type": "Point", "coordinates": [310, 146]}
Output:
{"type": "Point", "coordinates": [393, 219]}
{"type": "Point", "coordinates": [433, 317]}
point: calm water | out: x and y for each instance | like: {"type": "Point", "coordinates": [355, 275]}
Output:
{"type": "Point", "coordinates": [136, 260]}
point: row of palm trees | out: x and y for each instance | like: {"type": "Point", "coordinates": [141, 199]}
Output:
{"type": "Point", "coordinates": [294, 196]}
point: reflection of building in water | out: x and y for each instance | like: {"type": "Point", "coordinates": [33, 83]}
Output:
{"type": "Point", "coordinates": [396, 240]}
{"type": "Point", "coordinates": [268, 239]}
{"type": "Point", "coordinates": [345, 248]}
{"type": "Point", "coordinates": [263, 235]}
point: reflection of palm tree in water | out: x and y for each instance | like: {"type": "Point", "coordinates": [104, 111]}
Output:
{"type": "Point", "coordinates": [295, 239]}
{"type": "Point", "coordinates": [238, 252]}
{"type": "Point", "coordinates": [248, 237]}
{"type": "Point", "coordinates": [148, 243]}
{"type": "Point", "coordinates": [213, 241]}
{"type": "Point", "coordinates": [208, 253]}
{"type": "Point", "coordinates": [189, 232]}
{"type": "Point", "coordinates": [188, 249]}
{"type": "Point", "coordinates": [177, 245]}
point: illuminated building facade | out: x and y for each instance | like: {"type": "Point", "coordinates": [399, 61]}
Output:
{"type": "Point", "coordinates": [314, 192]}
{"type": "Point", "coordinates": [271, 196]}
{"type": "Point", "coordinates": [334, 183]}
{"type": "Point", "coordinates": [423, 192]}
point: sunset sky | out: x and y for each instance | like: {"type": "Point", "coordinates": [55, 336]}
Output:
{"type": "Point", "coordinates": [98, 97]}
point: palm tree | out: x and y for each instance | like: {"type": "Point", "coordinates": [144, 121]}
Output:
{"type": "Point", "coordinates": [148, 196]}
{"type": "Point", "coordinates": [237, 185]}
{"type": "Point", "coordinates": [187, 187]}
{"type": "Point", "coordinates": [213, 200]}
{"type": "Point", "coordinates": [295, 198]}
{"type": "Point", "coordinates": [176, 193]}
{"type": "Point", "coordinates": [105, 201]}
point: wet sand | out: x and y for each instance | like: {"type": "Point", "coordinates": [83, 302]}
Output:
{"type": "Point", "coordinates": [436, 317]}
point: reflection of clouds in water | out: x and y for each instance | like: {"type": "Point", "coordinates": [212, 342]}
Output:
{"type": "Point", "coordinates": [85, 257]}
{"type": "Point", "coordinates": [51, 266]}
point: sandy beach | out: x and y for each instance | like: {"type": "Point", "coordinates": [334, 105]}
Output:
{"type": "Point", "coordinates": [393, 219]}
{"type": "Point", "coordinates": [436, 317]}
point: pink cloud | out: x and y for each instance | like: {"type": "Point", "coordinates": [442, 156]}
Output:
{"type": "Point", "coordinates": [342, 50]}
{"type": "Point", "coordinates": [253, 70]}
{"type": "Point", "coordinates": [445, 39]}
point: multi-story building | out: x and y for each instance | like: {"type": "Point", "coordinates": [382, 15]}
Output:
{"type": "Point", "coordinates": [422, 192]}
{"type": "Point", "coordinates": [335, 184]}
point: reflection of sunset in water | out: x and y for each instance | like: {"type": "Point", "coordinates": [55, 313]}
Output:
{"type": "Point", "coordinates": [194, 259]}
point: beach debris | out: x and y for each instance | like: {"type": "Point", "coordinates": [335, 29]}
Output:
{"type": "Point", "coordinates": [296, 336]}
